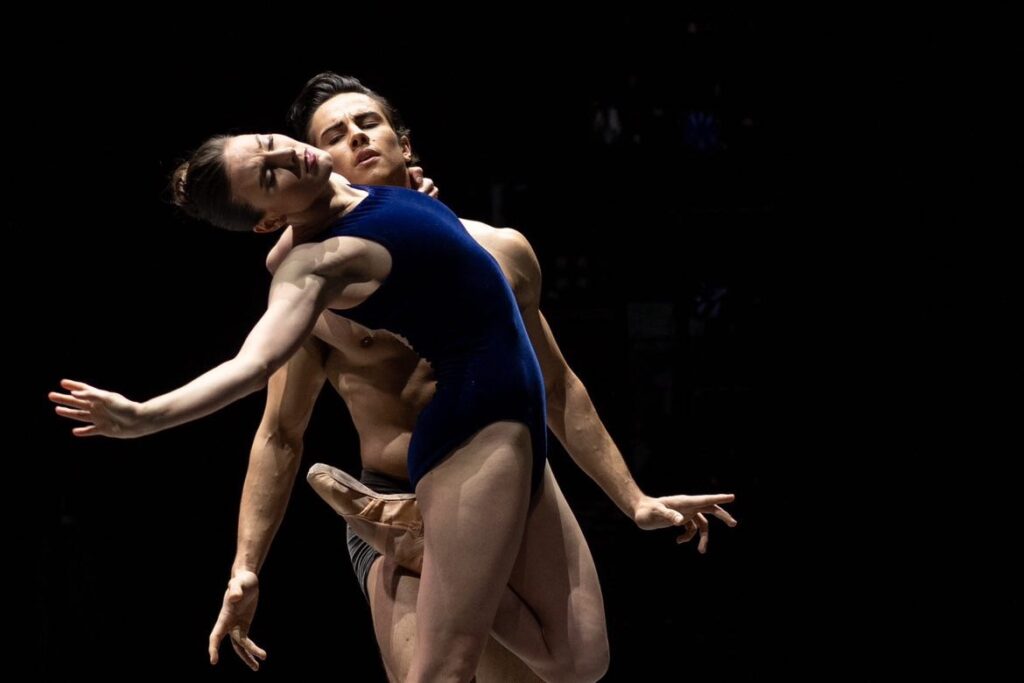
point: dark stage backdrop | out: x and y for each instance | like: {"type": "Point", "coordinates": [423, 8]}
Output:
{"type": "Point", "coordinates": [645, 179]}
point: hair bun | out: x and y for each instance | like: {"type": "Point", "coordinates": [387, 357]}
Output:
{"type": "Point", "coordinates": [179, 185]}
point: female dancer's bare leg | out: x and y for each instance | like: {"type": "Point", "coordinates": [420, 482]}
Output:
{"type": "Point", "coordinates": [474, 506]}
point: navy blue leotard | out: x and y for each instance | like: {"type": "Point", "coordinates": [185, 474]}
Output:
{"type": "Point", "coordinates": [449, 299]}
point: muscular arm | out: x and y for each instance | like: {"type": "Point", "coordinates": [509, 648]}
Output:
{"type": "Point", "coordinates": [277, 453]}
{"type": "Point", "coordinates": [571, 414]}
{"type": "Point", "coordinates": [275, 458]}
{"type": "Point", "coordinates": [573, 419]}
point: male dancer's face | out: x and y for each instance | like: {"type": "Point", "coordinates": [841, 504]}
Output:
{"type": "Point", "coordinates": [362, 143]}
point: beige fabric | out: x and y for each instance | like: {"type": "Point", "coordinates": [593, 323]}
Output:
{"type": "Point", "coordinates": [390, 522]}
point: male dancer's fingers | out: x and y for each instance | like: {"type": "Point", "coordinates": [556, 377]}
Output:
{"type": "Point", "coordinates": [671, 516]}
{"type": "Point", "coordinates": [249, 660]}
{"type": "Point", "coordinates": [711, 500]}
{"type": "Point", "coordinates": [246, 648]}
{"type": "Point", "coordinates": [415, 176]}
{"type": "Point", "coordinates": [691, 531]}
{"type": "Point", "coordinates": [220, 629]}
{"type": "Point", "coordinates": [254, 649]}
{"type": "Point", "coordinates": [723, 515]}
{"type": "Point", "coordinates": [702, 523]}
{"type": "Point", "coordinates": [214, 646]}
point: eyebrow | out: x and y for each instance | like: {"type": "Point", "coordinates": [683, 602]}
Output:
{"type": "Point", "coordinates": [341, 125]}
{"type": "Point", "coordinates": [262, 174]}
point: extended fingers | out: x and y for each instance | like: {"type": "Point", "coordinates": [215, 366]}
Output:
{"type": "Point", "coordinates": [247, 650]}
{"type": "Point", "coordinates": [723, 515]}
{"type": "Point", "coordinates": [79, 389]}
{"type": "Point", "coordinates": [68, 400]}
{"type": "Point", "coordinates": [249, 660]}
{"type": "Point", "coordinates": [255, 649]}
{"type": "Point", "coordinates": [214, 645]}
{"type": "Point", "coordinates": [711, 500]}
{"type": "Point", "coordinates": [80, 415]}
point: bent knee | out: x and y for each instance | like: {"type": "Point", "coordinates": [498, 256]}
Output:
{"type": "Point", "coordinates": [588, 669]}
{"type": "Point", "coordinates": [596, 666]}
{"type": "Point", "coordinates": [587, 663]}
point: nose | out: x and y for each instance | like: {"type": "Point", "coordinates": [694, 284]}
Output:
{"type": "Point", "coordinates": [358, 138]}
{"type": "Point", "coordinates": [287, 158]}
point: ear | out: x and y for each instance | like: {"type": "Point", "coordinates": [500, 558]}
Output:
{"type": "Point", "coordinates": [406, 148]}
{"type": "Point", "coordinates": [271, 222]}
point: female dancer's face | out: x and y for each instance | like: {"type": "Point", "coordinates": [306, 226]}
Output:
{"type": "Point", "coordinates": [274, 173]}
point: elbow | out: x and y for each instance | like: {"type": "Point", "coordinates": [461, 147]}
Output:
{"type": "Point", "coordinates": [261, 375]}
{"type": "Point", "coordinates": [555, 390]}
{"type": "Point", "coordinates": [255, 372]}
{"type": "Point", "coordinates": [563, 389]}
{"type": "Point", "coordinates": [285, 444]}
{"type": "Point", "coordinates": [279, 438]}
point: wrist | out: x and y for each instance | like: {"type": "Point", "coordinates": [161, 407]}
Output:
{"type": "Point", "coordinates": [240, 566]}
{"type": "Point", "coordinates": [635, 503]}
{"type": "Point", "coordinates": [145, 418]}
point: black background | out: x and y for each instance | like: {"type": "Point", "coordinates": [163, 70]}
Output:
{"type": "Point", "coordinates": [674, 255]}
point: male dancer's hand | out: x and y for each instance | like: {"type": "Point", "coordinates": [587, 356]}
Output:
{"type": "Point", "coordinates": [236, 615]}
{"type": "Point", "coordinates": [684, 511]}
{"type": "Point", "coordinates": [420, 183]}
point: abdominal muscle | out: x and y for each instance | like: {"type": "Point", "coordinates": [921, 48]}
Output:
{"type": "Point", "coordinates": [385, 386]}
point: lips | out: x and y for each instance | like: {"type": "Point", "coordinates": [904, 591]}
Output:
{"type": "Point", "coordinates": [365, 154]}
{"type": "Point", "coordinates": [310, 160]}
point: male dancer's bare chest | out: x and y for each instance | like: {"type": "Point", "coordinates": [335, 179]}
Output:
{"type": "Point", "coordinates": [374, 365]}
{"type": "Point", "coordinates": [384, 384]}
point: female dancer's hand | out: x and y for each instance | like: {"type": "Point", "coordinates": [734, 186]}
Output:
{"type": "Point", "coordinates": [110, 414]}
{"type": "Point", "coordinates": [236, 614]}
{"type": "Point", "coordinates": [684, 511]}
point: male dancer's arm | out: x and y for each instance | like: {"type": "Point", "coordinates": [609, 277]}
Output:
{"type": "Point", "coordinates": [273, 465]}
{"type": "Point", "coordinates": [277, 452]}
{"type": "Point", "coordinates": [574, 420]}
